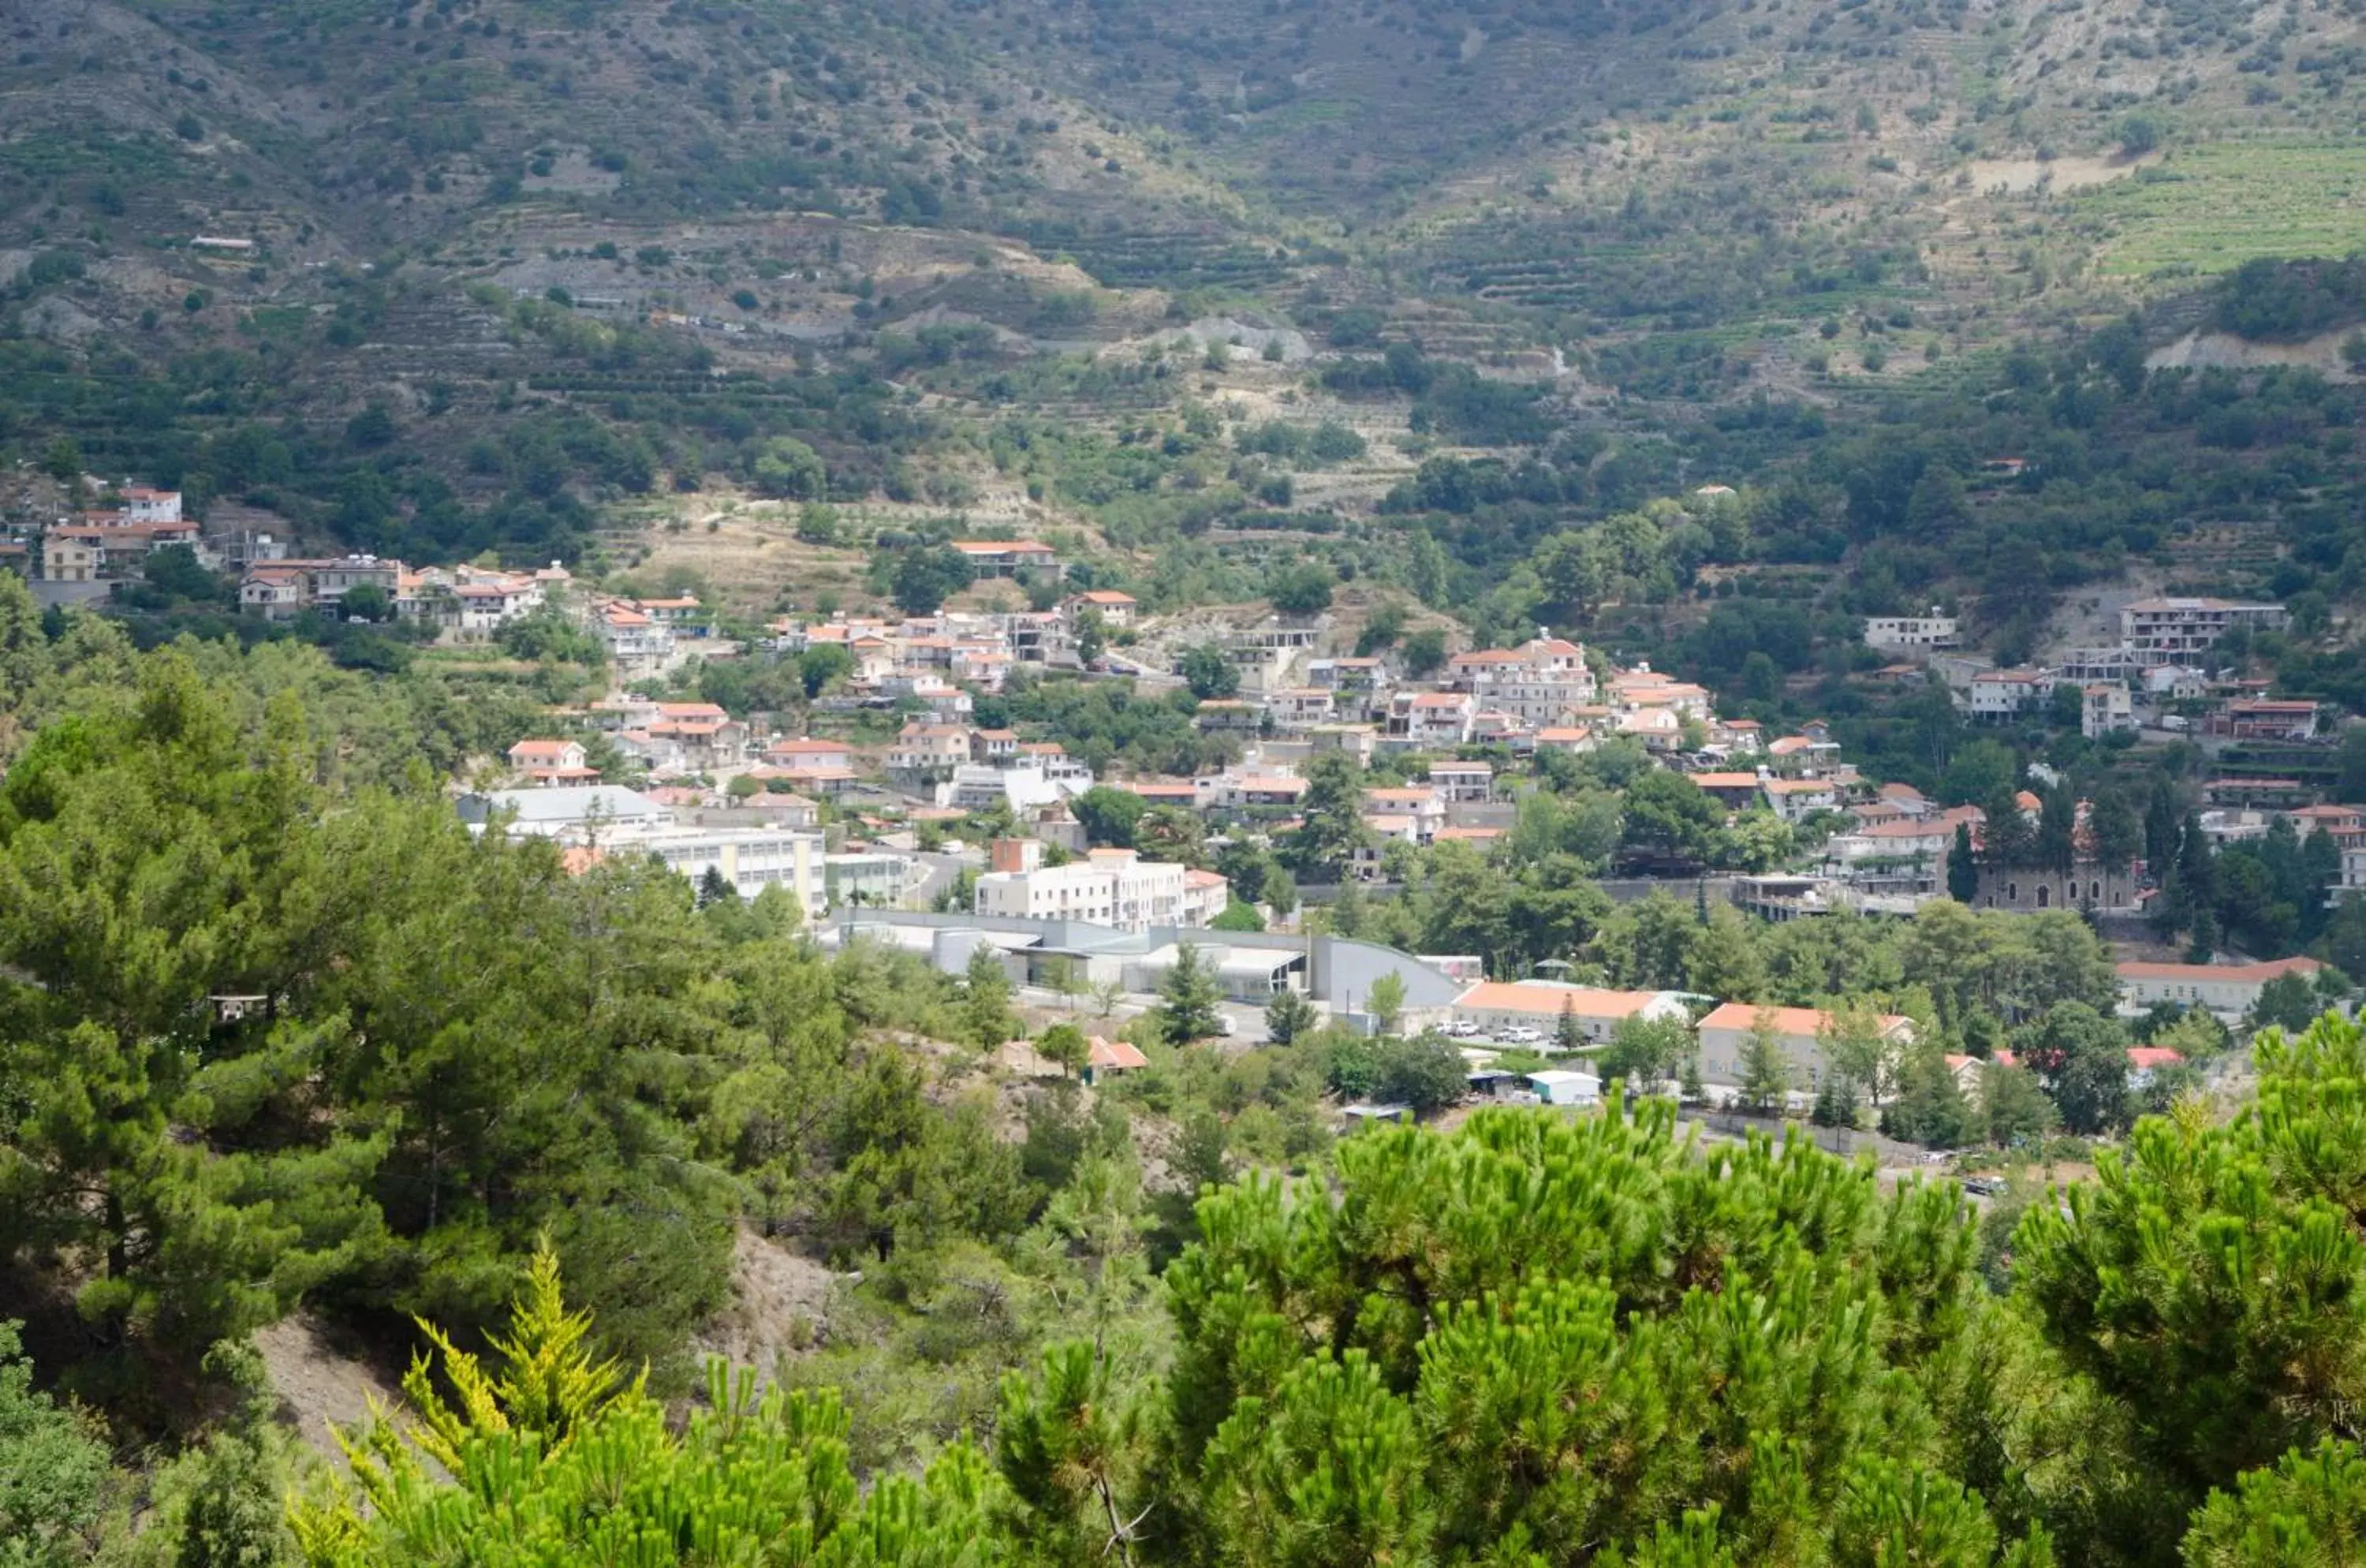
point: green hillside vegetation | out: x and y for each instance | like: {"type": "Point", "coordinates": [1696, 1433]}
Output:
{"type": "Point", "coordinates": [1573, 1342]}
{"type": "Point", "coordinates": [2215, 207]}
{"type": "Point", "coordinates": [455, 1073]}
{"type": "Point", "coordinates": [1695, 206]}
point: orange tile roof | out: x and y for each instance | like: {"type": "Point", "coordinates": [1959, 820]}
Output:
{"type": "Point", "coordinates": [1512, 995]}
{"type": "Point", "coordinates": [2242, 974]}
{"type": "Point", "coordinates": [1803, 1022]}
{"type": "Point", "coordinates": [1114, 1055]}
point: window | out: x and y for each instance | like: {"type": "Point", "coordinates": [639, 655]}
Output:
{"type": "Point", "coordinates": [2012, 892]}
{"type": "Point", "coordinates": [2095, 892]}
{"type": "Point", "coordinates": [2042, 891]}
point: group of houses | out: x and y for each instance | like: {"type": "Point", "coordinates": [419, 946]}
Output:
{"type": "Point", "coordinates": [934, 662]}
{"type": "Point", "coordinates": [111, 541]}
{"type": "Point", "coordinates": [745, 852]}
{"type": "Point", "coordinates": [2158, 672]}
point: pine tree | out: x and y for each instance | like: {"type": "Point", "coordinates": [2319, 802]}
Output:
{"type": "Point", "coordinates": [1963, 868]}
{"type": "Point", "coordinates": [1068, 1445]}
{"type": "Point", "coordinates": [1766, 1076]}
{"type": "Point", "coordinates": [1835, 1103]}
{"type": "Point", "coordinates": [2163, 827]}
{"type": "Point", "coordinates": [1189, 994]}
{"type": "Point", "coordinates": [1065, 1044]}
{"type": "Point", "coordinates": [52, 1466]}
{"type": "Point", "coordinates": [2117, 831]}
{"type": "Point", "coordinates": [1519, 1382]}
{"type": "Point", "coordinates": [1387, 999]}
{"type": "Point", "coordinates": [2008, 841]}
{"type": "Point", "coordinates": [1566, 1035]}
{"type": "Point", "coordinates": [1289, 1016]}
{"type": "Point", "coordinates": [2203, 945]}
{"type": "Point", "coordinates": [1930, 1108]}
{"type": "Point", "coordinates": [2056, 846]}
{"type": "Point", "coordinates": [558, 1460]}
{"type": "Point", "coordinates": [1331, 827]}
{"type": "Point", "coordinates": [2309, 1509]}
{"type": "Point", "coordinates": [2204, 1285]}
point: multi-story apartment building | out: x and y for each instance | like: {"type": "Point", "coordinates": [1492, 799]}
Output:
{"type": "Point", "coordinates": [2006, 693]}
{"type": "Point", "coordinates": [1430, 720]}
{"type": "Point", "coordinates": [2163, 631]}
{"type": "Point", "coordinates": [280, 589]}
{"type": "Point", "coordinates": [1112, 887]}
{"type": "Point", "coordinates": [1934, 630]}
{"type": "Point", "coordinates": [928, 752]}
{"type": "Point", "coordinates": [1007, 558]}
{"type": "Point", "coordinates": [1543, 681]}
{"type": "Point", "coordinates": [2104, 706]}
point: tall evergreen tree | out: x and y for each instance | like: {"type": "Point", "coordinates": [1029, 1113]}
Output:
{"type": "Point", "coordinates": [2008, 842]}
{"type": "Point", "coordinates": [2163, 827]}
{"type": "Point", "coordinates": [2056, 846]}
{"type": "Point", "coordinates": [1566, 1035]}
{"type": "Point", "coordinates": [1766, 1076]}
{"type": "Point", "coordinates": [1189, 998]}
{"type": "Point", "coordinates": [2117, 831]}
{"type": "Point", "coordinates": [1963, 868]}
{"type": "Point", "coordinates": [1289, 1016]}
{"type": "Point", "coordinates": [1332, 825]}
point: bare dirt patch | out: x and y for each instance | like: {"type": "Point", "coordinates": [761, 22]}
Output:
{"type": "Point", "coordinates": [780, 1307]}
{"type": "Point", "coordinates": [321, 1382]}
{"type": "Point", "coordinates": [2198, 350]}
{"type": "Point", "coordinates": [2016, 176]}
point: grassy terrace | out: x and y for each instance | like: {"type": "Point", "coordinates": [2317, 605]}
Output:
{"type": "Point", "coordinates": [2214, 206]}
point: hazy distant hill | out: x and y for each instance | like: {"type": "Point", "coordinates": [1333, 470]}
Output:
{"type": "Point", "coordinates": [460, 213]}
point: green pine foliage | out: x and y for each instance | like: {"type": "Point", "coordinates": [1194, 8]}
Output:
{"type": "Point", "coordinates": [54, 1470]}
{"type": "Point", "coordinates": [555, 1463]}
{"type": "Point", "coordinates": [2209, 1280]}
{"type": "Point", "coordinates": [1496, 1343]}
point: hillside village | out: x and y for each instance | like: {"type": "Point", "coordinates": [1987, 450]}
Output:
{"type": "Point", "coordinates": [954, 838]}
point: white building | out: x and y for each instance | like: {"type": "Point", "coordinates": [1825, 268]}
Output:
{"type": "Point", "coordinates": [749, 859]}
{"type": "Point", "coordinates": [1543, 681]}
{"type": "Point", "coordinates": [551, 763]}
{"type": "Point", "coordinates": [2229, 990]}
{"type": "Point", "coordinates": [1114, 608]}
{"type": "Point", "coordinates": [142, 504]}
{"type": "Point", "coordinates": [1792, 799]}
{"type": "Point", "coordinates": [1110, 888]}
{"type": "Point", "coordinates": [1025, 785]}
{"type": "Point", "coordinates": [282, 588]}
{"type": "Point", "coordinates": [1431, 721]}
{"type": "Point", "coordinates": [2007, 693]}
{"type": "Point", "coordinates": [1922, 842]}
{"type": "Point", "coordinates": [2175, 682]}
{"type": "Point", "coordinates": [1495, 1005]}
{"type": "Point", "coordinates": [1462, 783]}
{"type": "Point", "coordinates": [1007, 558]}
{"type": "Point", "coordinates": [580, 814]}
{"type": "Point", "coordinates": [2103, 707]}
{"type": "Point", "coordinates": [1206, 895]}
{"type": "Point", "coordinates": [1725, 1036]}
{"type": "Point", "coordinates": [1934, 630]}
{"type": "Point", "coordinates": [638, 645]}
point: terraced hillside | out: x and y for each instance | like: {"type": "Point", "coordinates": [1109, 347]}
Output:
{"type": "Point", "coordinates": [442, 239]}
